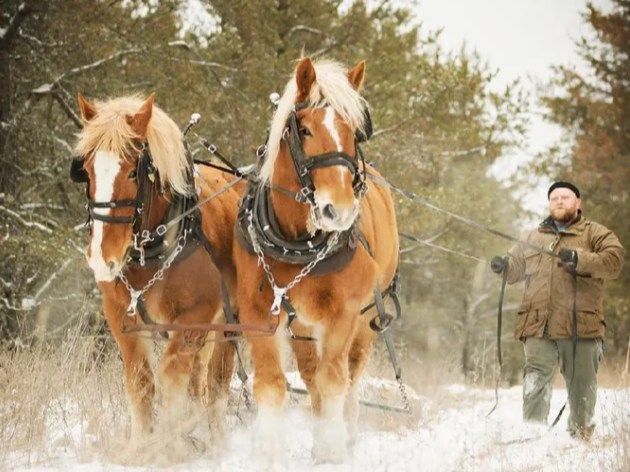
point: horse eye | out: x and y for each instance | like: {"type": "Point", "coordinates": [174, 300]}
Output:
{"type": "Point", "coordinates": [304, 131]}
{"type": "Point", "coordinates": [132, 174]}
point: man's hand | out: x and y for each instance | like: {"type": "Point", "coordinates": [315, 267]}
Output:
{"type": "Point", "coordinates": [569, 258]}
{"type": "Point", "coordinates": [498, 264]}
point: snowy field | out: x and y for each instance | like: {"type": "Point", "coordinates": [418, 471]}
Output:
{"type": "Point", "coordinates": [447, 432]}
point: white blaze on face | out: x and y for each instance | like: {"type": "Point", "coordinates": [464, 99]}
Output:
{"type": "Point", "coordinates": [329, 123]}
{"type": "Point", "coordinates": [106, 168]}
{"type": "Point", "coordinates": [345, 216]}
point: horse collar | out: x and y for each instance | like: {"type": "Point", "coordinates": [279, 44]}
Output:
{"type": "Point", "coordinates": [273, 243]}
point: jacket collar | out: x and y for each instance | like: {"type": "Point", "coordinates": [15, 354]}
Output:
{"type": "Point", "coordinates": [576, 226]}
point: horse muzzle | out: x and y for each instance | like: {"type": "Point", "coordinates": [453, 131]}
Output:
{"type": "Point", "coordinates": [328, 216]}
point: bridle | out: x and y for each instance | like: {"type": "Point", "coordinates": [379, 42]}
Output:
{"type": "Point", "coordinates": [146, 176]}
{"type": "Point", "coordinates": [305, 164]}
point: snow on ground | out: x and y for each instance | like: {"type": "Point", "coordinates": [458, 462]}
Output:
{"type": "Point", "coordinates": [449, 431]}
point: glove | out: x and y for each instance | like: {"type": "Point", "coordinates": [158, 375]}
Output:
{"type": "Point", "coordinates": [568, 257]}
{"type": "Point", "coordinates": [498, 264]}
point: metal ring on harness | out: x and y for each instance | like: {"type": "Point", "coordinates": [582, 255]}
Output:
{"type": "Point", "coordinates": [261, 151]}
{"type": "Point", "coordinates": [376, 323]}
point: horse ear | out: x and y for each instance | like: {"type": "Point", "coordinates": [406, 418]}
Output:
{"type": "Point", "coordinates": [140, 121]}
{"type": "Point", "coordinates": [356, 75]}
{"type": "Point", "coordinates": [304, 76]}
{"type": "Point", "coordinates": [88, 111]}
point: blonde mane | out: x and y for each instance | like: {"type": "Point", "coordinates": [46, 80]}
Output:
{"type": "Point", "coordinates": [109, 131]}
{"type": "Point", "coordinates": [332, 88]}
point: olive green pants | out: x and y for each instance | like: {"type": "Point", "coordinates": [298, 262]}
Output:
{"type": "Point", "coordinates": [542, 356]}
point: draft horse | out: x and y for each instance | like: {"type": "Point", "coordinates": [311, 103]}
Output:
{"type": "Point", "coordinates": [315, 238]}
{"type": "Point", "coordinates": [156, 258]}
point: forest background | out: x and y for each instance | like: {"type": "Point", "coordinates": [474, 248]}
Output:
{"type": "Point", "coordinates": [440, 125]}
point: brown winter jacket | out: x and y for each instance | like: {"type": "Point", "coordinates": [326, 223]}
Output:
{"type": "Point", "coordinates": [549, 287]}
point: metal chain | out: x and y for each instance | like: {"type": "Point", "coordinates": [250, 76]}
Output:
{"type": "Point", "coordinates": [159, 275]}
{"type": "Point", "coordinates": [279, 293]}
{"type": "Point", "coordinates": [403, 395]}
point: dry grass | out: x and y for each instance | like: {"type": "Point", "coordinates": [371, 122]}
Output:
{"type": "Point", "coordinates": [65, 402]}
{"type": "Point", "coordinates": [69, 395]}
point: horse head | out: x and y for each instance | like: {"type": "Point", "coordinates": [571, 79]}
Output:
{"type": "Point", "coordinates": [323, 118]}
{"type": "Point", "coordinates": [126, 181]}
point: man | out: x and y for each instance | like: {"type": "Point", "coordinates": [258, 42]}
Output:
{"type": "Point", "coordinates": [557, 290]}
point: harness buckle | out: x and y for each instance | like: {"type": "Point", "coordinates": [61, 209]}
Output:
{"type": "Point", "coordinates": [161, 230]}
{"type": "Point", "coordinates": [212, 148]}
{"type": "Point", "coordinates": [303, 195]}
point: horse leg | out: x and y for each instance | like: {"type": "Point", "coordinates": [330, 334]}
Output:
{"type": "Point", "coordinates": [307, 359]}
{"type": "Point", "coordinates": [176, 367]}
{"type": "Point", "coordinates": [269, 392]}
{"type": "Point", "coordinates": [198, 385]}
{"type": "Point", "coordinates": [331, 380]}
{"type": "Point", "coordinates": [139, 385]}
{"type": "Point", "coordinates": [220, 370]}
{"type": "Point", "coordinates": [357, 360]}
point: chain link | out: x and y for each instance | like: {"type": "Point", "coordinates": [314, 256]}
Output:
{"type": "Point", "coordinates": [279, 293]}
{"type": "Point", "coordinates": [159, 275]}
{"type": "Point", "coordinates": [404, 396]}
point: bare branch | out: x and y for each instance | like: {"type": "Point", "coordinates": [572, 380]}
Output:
{"type": "Point", "coordinates": [465, 152]}
{"type": "Point", "coordinates": [179, 43]}
{"type": "Point", "coordinates": [35, 40]}
{"type": "Point", "coordinates": [480, 299]}
{"type": "Point", "coordinates": [69, 111]}
{"type": "Point", "coordinates": [35, 205]}
{"type": "Point", "coordinates": [304, 28]}
{"type": "Point", "coordinates": [95, 64]}
{"type": "Point", "coordinates": [74, 245]}
{"type": "Point", "coordinates": [390, 129]}
{"type": "Point", "coordinates": [50, 279]}
{"type": "Point", "coordinates": [52, 87]}
{"type": "Point", "coordinates": [63, 143]}
{"type": "Point", "coordinates": [7, 34]}
{"type": "Point", "coordinates": [28, 224]}
{"type": "Point", "coordinates": [8, 304]}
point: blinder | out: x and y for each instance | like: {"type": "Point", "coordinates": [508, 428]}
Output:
{"type": "Point", "coordinates": [145, 173]}
{"type": "Point", "coordinates": [368, 130]}
{"type": "Point", "coordinates": [77, 173]}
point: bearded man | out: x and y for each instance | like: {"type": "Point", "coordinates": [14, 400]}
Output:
{"type": "Point", "coordinates": [558, 291]}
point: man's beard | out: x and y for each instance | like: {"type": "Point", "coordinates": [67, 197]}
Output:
{"type": "Point", "coordinates": [563, 215]}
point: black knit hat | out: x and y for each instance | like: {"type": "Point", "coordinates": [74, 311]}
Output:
{"type": "Point", "coordinates": [561, 184]}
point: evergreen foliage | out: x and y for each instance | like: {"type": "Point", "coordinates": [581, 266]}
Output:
{"type": "Point", "coordinates": [594, 110]}
{"type": "Point", "coordinates": [439, 125]}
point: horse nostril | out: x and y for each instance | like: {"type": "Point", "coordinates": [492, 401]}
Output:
{"type": "Point", "coordinates": [111, 266]}
{"type": "Point", "coordinates": [329, 212]}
